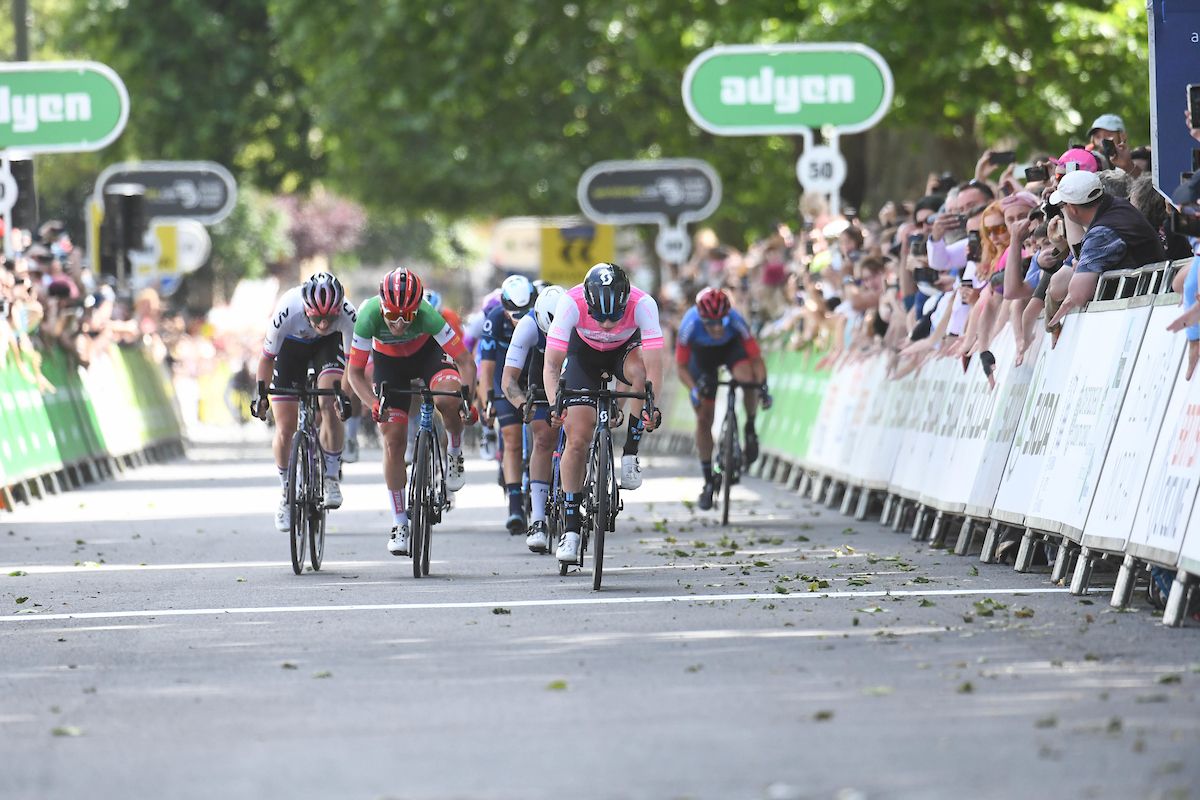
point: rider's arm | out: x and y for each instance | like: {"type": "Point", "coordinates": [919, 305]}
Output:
{"type": "Point", "coordinates": [646, 317]}
{"type": "Point", "coordinates": [566, 317]}
{"type": "Point", "coordinates": [360, 350]}
{"type": "Point", "coordinates": [452, 343]}
{"type": "Point", "coordinates": [524, 337]}
{"type": "Point", "coordinates": [551, 369]}
{"type": "Point", "coordinates": [757, 365]}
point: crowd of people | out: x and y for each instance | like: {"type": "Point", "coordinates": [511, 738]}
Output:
{"type": "Point", "coordinates": [941, 274]}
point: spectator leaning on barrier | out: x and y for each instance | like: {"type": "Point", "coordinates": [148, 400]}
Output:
{"type": "Point", "coordinates": [1147, 200]}
{"type": "Point", "coordinates": [1117, 236]}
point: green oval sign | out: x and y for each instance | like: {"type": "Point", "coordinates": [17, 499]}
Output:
{"type": "Point", "coordinates": [61, 106]}
{"type": "Point", "coordinates": [751, 90]}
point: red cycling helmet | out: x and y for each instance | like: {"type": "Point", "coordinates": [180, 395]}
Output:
{"type": "Point", "coordinates": [400, 294]}
{"type": "Point", "coordinates": [712, 303]}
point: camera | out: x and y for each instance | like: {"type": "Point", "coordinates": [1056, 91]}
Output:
{"type": "Point", "coordinates": [1038, 174]}
{"type": "Point", "coordinates": [916, 245]}
{"type": "Point", "coordinates": [1050, 211]}
{"type": "Point", "coordinates": [925, 275]}
{"type": "Point", "coordinates": [974, 246]}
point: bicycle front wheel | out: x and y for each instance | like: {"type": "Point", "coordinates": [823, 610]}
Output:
{"type": "Point", "coordinates": [432, 513]}
{"type": "Point", "coordinates": [727, 461]}
{"type": "Point", "coordinates": [297, 488]}
{"type": "Point", "coordinates": [418, 514]}
{"type": "Point", "coordinates": [603, 487]}
{"type": "Point", "coordinates": [316, 507]}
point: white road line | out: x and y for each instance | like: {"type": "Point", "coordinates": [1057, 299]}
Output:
{"type": "Point", "coordinates": [572, 601]}
{"type": "Point", "coordinates": [52, 569]}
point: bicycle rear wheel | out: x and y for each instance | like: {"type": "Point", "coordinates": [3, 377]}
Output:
{"type": "Point", "coordinates": [727, 461]}
{"type": "Point", "coordinates": [297, 477]}
{"type": "Point", "coordinates": [602, 486]}
{"type": "Point", "coordinates": [317, 511]}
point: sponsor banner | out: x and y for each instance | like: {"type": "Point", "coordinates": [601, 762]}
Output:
{"type": "Point", "coordinates": [1096, 380]}
{"type": "Point", "coordinates": [1170, 490]}
{"type": "Point", "coordinates": [1024, 464]}
{"type": "Point", "coordinates": [1123, 476]}
{"type": "Point", "coordinates": [1012, 389]}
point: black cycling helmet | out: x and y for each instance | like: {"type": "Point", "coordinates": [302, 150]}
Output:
{"type": "Point", "coordinates": [606, 291]}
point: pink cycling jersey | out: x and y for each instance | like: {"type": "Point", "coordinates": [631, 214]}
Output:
{"type": "Point", "coordinates": [641, 313]}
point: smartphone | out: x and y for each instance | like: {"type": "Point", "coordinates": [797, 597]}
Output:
{"type": "Point", "coordinates": [974, 246]}
{"type": "Point", "coordinates": [1193, 94]}
{"type": "Point", "coordinates": [1110, 149]}
{"type": "Point", "coordinates": [1038, 174]}
{"type": "Point", "coordinates": [1001, 157]}
{"type": "Point", "coordinates": [916, 245]}
{"type": "Point", "coordinates": [925, 275]}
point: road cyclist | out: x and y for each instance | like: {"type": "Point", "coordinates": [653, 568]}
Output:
{"type": "Point", "coordinates": [712, 334]}
{"type": "Point", "coordinates": [522, 387]}
{"type": "Point", "coordinates": [517, 297]}
{"type": "Point", "coordinates": [407, 340]}
{"type": "Point", "coordinates": [603, 327]}
{"type": "Point", "coordinates": [311, 327]}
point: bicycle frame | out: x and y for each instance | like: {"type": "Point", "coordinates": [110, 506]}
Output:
{"type": "Point", "coordinates": [729, 452]}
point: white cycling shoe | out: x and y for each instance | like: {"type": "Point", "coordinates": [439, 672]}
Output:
{"type": "Point", "coordinates": [283, 515]}
{"type": "Point", "coordinates": [568, 547]}
{"type": "Point", "coordinates": [456, 472]}
{"type": "Point", "coordinates": [631, 472]}
{"type": "Point", "coordinates": [538, 540]}
{"type": "Point", "coordinates": [398, 543]}
{"type": "Point", "coordinates": [333, 493]}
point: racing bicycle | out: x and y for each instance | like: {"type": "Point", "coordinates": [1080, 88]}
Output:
{"type": "Point", "coordinates": [306, 469]}
{"type": "Point", "coordinates": [602, 496]}
{"type": "Point", "coordinates": [729, 445]}
{"type": "Point", "coordinates": [428, 497]}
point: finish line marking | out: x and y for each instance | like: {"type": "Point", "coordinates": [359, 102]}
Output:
{"type": "Point", "coordinates": [577, 601]}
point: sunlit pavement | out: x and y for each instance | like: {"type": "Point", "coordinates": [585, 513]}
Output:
{"type": "Point", "coordinates": [155, 643]}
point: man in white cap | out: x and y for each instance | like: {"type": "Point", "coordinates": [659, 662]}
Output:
{"type": "Point", "coordinates": [1117, 236]}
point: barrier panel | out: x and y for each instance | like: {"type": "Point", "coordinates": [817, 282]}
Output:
{"type": "Point", "coordinates": [121, 405]}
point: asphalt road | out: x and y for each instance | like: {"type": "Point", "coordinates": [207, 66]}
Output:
{"type": "Point", "coordinates": [164, 649]}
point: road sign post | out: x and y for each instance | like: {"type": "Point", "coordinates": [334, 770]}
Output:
{"type": "Point", "coordinates": [667, 192]}
{"type": "Point", "coordinates": [201, 190]}
{"type": "Point", "coordinates": [759, 90]}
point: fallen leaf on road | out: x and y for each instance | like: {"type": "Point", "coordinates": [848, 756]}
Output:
{"type": "Point", "coordinates": [21, 600]}
{"type": "Point", "coordinates": [323, 674]}
{"type": "Point", "coordinates": [288, 665]}
{"type": "Point", "coordinates": [974, 570]}
{"type": "Point", "coordinates": [877, 691]}
{"type": "Point", "coordinates": [17, 573]}
{"type": "Point", "coordinates": [926, 603]}
{"type": "Point", "coordinates": [823, 716]}
{"type": "Point", "coordinates": [556, 686]}
{"type": "Point", "coordinates": [67, 730]}
{"type": "Point", "coordinates": [1023, 612]}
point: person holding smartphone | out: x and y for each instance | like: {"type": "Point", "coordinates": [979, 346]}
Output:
{"type": "Point", "coordinates": [1107, 137]}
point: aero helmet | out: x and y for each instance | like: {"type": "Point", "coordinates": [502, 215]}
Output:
{"type": "Point", "coordinates": [547, 302]}
{"type": "Point", "coordinates": [606, 291]}
{"type": "Point", "coordinates": [517, 295]}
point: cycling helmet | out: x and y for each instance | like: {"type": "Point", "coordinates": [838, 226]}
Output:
{"type": "Point", "coordinates": [517, 295]}
{"type": "Point", "coordinates": [434, 298]}
{"type": "Point", "coordinates": [490, 301]}
{"type": "Point", "coordinates": [322, 295]}
{"type": "Point", "coordinates": [543, 308]}
{"type": "Point", "coordinates": [401, 293]}
{"type": "Point", "coordinates": [606, 291]}
{"type": "Point", "coordinates": [712, 303]}
{"type": "Point", "coordinates": [539, 285]}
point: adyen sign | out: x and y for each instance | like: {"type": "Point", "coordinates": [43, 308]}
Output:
{"type": "Point", "coordinates": [63, 106]}
{"type": "Point", "coordinates": [753, 90]}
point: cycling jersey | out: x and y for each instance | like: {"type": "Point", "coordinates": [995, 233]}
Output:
{"type": "Point", "coordinates": [571, 316]}
{"type": "Point", "coordinates": [497, 333]}
{"type": "Point", "coordinates": [693, 333]}
{"type": "Point", "coordinates": [451, 316]}
{"type": "Point", "coordinates": [288, 322]}
{"type": "Point", "coordinates": [371, 332]}
{"type": "Point", "coordinates": [527, 350]}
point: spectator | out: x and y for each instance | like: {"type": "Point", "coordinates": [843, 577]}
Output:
{"type": "Point", "coordinates": [1147, 200]}
{"type": "Point", "coordinates": [1110, 128]}
{"type": "Point", "coordinates": [1117, 236]}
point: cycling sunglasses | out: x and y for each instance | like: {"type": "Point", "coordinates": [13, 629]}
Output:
{"type": "Point", "coordinates": [402, 316]}
{"type": "Point", "coordinates": [609, 317]}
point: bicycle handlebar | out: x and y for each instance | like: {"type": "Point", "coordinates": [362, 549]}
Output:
{"type": "Point", "coordinates": [740, 384]}
{"type": "Point", "coordinates": [599, 394]}
{"type": "Point", "coordinates": [343, 400]}
{"type": "Point", "coordinates": [386, 394]}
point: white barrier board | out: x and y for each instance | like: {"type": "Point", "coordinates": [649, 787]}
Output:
{"type": "Point", "coordinates": [1123, 476]}
{"type": "Point", "coordinates": [909, 474]}
{"type": "Point", "coordinates": [948, 397]}
{"type": "Point", "coordinates": [870, 463]}
{"type": "Point", "coordinates": [1012, 388]}
{"type": "Point", "coordinates": [1087, 411]}
{"type": "Point", "coordinates": [1170, 490]}
{"type": "Point", "coordinates": [1024, 463]}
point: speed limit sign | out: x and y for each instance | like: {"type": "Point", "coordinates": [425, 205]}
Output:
{"type": "Point", "coordinates": [822, 169]}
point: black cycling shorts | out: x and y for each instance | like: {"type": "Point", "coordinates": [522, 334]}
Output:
{"type": "Point", "coordinates": [586, 366]}
{"type": "Point", "coordinates": [429, 363]}
{"type": "Point", "coordinates": [294, 358]}
{"type": "Point", "coordinates": [705, 361]}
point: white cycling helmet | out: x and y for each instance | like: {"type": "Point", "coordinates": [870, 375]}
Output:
{"type": "Point", "coordinates": [517, 294]}
{"type": "Point", "coordinates": [547, 301]}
